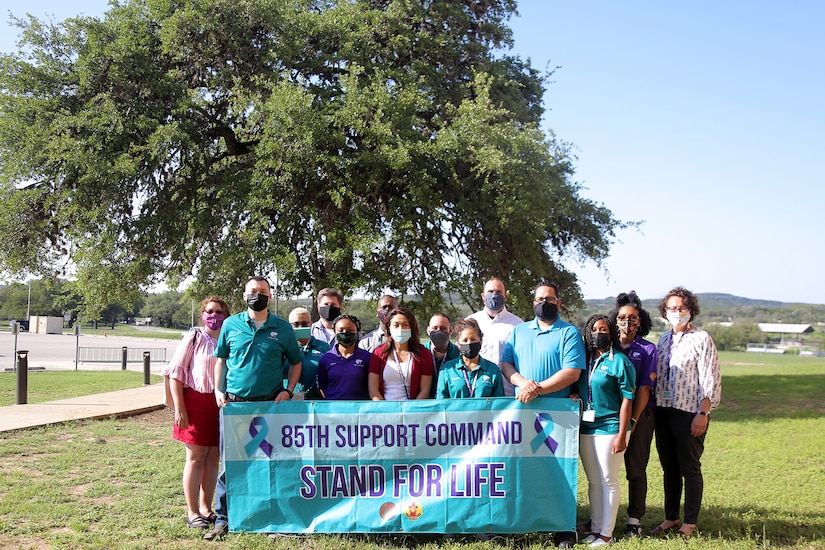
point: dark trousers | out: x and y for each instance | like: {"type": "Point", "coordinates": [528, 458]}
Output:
{"type": "Point", "coordinates": [680, 454]}
{"type": "Point", "coordinates": [636, 458]}
{"type": "Point", "coordinates": [220, 486]}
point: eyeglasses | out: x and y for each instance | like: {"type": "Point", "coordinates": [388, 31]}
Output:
{"type": "Point", "coordinates": [218, 311]}
{"type": "Point", "coordinates": [680, 309]}
{"type": "Point", "coordinates": [550, 299]}
{"type": "Point", "coordinates": [297, 324]}
{"type": "Point", "coordinates": [631, 318]}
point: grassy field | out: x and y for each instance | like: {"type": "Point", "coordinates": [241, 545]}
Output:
{"type": "Point", "coordinates": [53, 385]}
{"type": "Point", "coordinates": [116, 483]}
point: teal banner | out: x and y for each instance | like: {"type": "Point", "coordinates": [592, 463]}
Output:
{"type": "Point", "coordinates": [429, 466]}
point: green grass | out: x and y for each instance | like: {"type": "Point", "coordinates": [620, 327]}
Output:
{"type": "Point", "coordinates": [53, 385]}
{"type": "Point", "coordinates": [116, 483]}
{"type": "Point", "coordinates": [133, 331]}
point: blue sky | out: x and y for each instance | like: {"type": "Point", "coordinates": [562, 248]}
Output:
{"type": "Point", "coordinates": [704, 120]}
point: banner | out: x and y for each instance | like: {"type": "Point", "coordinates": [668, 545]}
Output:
{"type": "Point", "coordinates": [424, 466]}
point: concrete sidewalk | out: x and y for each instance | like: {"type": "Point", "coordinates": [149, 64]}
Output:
{"type": "Point", "coordinates": [100, 405]}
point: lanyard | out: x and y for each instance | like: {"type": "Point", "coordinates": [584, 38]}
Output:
{"type": "Point", "coordinates": [471, 389]}
{"type": "Point", "coordinates": [590, 379]}
{"type": "Point", "coordinates": [401, 370]}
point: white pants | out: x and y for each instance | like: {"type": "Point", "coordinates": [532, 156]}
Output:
{"type": "Point", "coordinates": [602, 468]}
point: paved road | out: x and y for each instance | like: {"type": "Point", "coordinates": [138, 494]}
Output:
{"type": "Point", "coordinates": [58, 351]}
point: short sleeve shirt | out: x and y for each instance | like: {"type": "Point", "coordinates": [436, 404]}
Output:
{"type": "Point", "coordinates": [255, 356]}
{"type": "Point", "coordinates": [457, 381]}
{"type": "Point", "coordinates": [610, 380]}
{"type": "Point", "coordinates": [540, 353]}
{"type": "Point", "coordinates": [342, 377]}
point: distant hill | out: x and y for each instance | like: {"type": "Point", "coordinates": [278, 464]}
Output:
{"type": "Point", "coordinates": [717, 306]}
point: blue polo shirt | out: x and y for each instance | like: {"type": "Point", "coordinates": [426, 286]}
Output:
{"type": "Point", "coordinates": [539, 354]}
{"type": "Point", "coordinates": [255, 357]}
{"type": "Point", "coordinates": [342, 377]}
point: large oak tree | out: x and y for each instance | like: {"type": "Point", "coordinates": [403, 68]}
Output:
{"type": "Point", "coordinates": [366, 145]}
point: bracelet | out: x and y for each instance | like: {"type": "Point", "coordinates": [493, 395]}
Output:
{"type": "Point", "coordinates": [291, 395]}
{"type": "Point", "coordinates": [703, 413]}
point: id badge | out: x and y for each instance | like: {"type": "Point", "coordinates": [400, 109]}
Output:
{"type": "Point", "coordinates": [589, 416]}
{"type": "Point", "coordinates": [667, 394]}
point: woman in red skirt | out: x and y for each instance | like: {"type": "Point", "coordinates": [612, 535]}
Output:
{"type": "Point", "coordinates": [192, 384]}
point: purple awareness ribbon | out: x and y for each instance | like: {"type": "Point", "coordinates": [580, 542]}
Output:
{"type": "Point", "coordinates": [258, 437]}
{"type": "Point", "coordinates": [544, 427]}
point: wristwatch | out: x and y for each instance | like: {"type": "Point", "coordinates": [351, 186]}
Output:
{"type": "Point", "coordinates": [703, 413]}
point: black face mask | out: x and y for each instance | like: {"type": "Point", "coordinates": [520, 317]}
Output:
{"type": "Point", "coordinates": [470, 351]}
{"type": "Point", "coordinates": [346, 339]}
{"type": "Point", "coordinates": [601, 340]}
{"type": "Point", "coordinates": [439, 339]}
{"type": "Point", "coordinates": [546, 311]}
{"type": "Point", "coordinates": [329, 313]}
{"type": "Point", "coordinates": [257, 302]}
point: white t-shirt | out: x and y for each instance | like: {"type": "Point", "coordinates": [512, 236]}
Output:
{"type": "Point", "coordinates": [397, 379]}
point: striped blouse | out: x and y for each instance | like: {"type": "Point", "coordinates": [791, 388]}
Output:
{"type": "Point", "coordinates": [194, 365]}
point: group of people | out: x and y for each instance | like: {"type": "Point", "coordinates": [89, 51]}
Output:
{"type": "Point", "coordinates": [629, 387]}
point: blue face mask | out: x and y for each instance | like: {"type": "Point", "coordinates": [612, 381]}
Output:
{"type": "Point", "coordinates": [493, 302]}
{"type": "Point", "coordinates": [401, 335]}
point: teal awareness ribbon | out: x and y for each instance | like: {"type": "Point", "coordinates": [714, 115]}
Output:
{"type": "Point", "coordinates": [544, 427]}
{"type": "Point", "coordinates": [258, 437]}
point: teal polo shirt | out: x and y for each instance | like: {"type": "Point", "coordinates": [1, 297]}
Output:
{"type": "Point", "coordinates": [310, 355]}
{"type": "Point", "coordinates": [610, 380]}
{"type": "Point", "coordinates": [438, 364]}
{"type": "Point", "coordinates": [485, 381]}
{"type": "Point", "coordinates": [539, 354]}
{"type": "Point", "coordinates": [255, 357]}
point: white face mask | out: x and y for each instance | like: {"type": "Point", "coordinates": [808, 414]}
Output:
{"type": "Point", "coordinates": [678, 318]}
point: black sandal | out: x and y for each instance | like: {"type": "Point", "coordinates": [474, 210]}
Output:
{"type": "Point", "coordinates": [198, 522]}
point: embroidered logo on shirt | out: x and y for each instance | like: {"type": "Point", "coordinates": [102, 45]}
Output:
{"type": "Point", "coordinates": [635, 354]}
{"type": "Point", "coordinates": [359, 363]}
{"type": "Point", "coordinates": [273, 335]}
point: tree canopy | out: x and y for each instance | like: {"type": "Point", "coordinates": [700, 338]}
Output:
{"type": "Point", "coordinates": [360, 144]}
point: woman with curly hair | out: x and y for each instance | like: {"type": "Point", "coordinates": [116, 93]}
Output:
{"type": "Point", "coordinates": [688, 388]}
{"type": "Point", "coordinates": [634, 323]}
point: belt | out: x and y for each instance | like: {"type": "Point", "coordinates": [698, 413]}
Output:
{"type": "Point", "coordinates": [238, 399]}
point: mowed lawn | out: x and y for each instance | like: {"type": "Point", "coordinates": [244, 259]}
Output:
{"type": "Point", "coordinates": [116, 483]}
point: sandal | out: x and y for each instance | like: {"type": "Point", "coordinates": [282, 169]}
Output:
{"type": "Point", "coordinates": [687, 530]}
{"type": "Point", "coordinates": [211, 518]}
{"type": "Point", "coordinates": [198, 522]}
{"type": "Point", "coordinates": [663, 528]}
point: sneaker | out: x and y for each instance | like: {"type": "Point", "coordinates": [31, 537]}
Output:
{"type": "Point", "coordinates": [600, 542]}
{"type": "Point", "coordinates": [633, 530]}
{"type": "Point", "coordinates": [217, 532]}
{"type": "Point", "coordinates": [590, 538]}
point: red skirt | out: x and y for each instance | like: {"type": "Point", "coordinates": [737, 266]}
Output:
{"type": "Point", "coordinates": [204, 416]}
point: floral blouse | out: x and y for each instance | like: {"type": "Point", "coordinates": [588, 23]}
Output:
{"type": "Point", "coordinates": [687, 371]}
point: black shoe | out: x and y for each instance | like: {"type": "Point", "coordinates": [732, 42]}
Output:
{"type": "Point", "coordinates": [633, 530]}
{"type": "Point", "coordinates": [217, 532]}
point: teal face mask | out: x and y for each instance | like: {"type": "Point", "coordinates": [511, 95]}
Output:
{"type": "Point", "coordinates": [302, 333]}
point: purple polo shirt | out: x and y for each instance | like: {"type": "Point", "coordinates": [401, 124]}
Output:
{"type": "Point", "coordinates": [643, 355]}
{"type": "Point", "coordinates": [342, 377]}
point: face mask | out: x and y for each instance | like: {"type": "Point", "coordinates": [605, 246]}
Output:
{"type": "Point", "coordinates": [601, 340]}
{"type": "Point", "coordinates": [627, 327]}
{"type": "Point", "coordinates": [494, 302]}
{"type": "Point", "coordinates": [257, 302]}
{"type": "Point", "coordinates": [401, 335]}
{"type": "Point", "coordinates": [470, 351]}
{"type": "Point", "coordinates": [302, 333]}
{"type": "Point", "coordinates": [382, 316]}
{"type": "Point", "coordinates": [329, 313]}
{"type": "Point", "coordinates": [346, 339]}
{"type": "Point", "coordinates": [678, 318]}
{"type": "Point", "coordinates": [546, 311]}
{"type": "Point", "coordinates": [213, 321]}
{"type": "Point", "coordinates": [439, 339]}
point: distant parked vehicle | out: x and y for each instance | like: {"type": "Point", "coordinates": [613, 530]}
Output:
{"type": "Point", "coordinates": [24, 324]}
